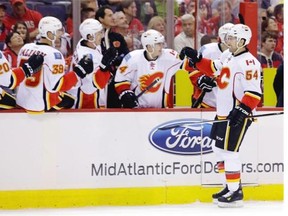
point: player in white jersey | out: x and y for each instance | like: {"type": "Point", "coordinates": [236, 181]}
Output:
{"type": "Point", "coordinates": [11, 78]}
{"type": "Point", "coordinates": [239, 93]}
{"type": "Point", "coordinates": [140, 68]}
{"type": "Point", "coordinates": [88, 92]}
{"type": "Point", "coordinates": [45, 90]}
{"type": "Point", "coordinates": [202, 83]}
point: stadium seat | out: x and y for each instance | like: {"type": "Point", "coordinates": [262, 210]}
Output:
{"type": "Point", "coordinates": [31, 4]}
{"type": "Point", "coordinates": [58, 11]}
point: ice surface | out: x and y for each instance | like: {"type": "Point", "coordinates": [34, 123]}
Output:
{"type": "Point", "coordinates": [194, 209]}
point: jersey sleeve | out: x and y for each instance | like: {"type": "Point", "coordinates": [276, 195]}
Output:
{"type": "Point", "coordinates": [251, 81]}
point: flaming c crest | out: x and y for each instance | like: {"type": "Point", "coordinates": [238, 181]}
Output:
{"type": "Point", "coordinates": [147, 79]}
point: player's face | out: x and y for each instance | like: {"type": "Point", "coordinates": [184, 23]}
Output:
{"type": "Point", "coordinates": [98, 36]}
{"type": "Point", "coordinates": [157, 49]}
{"type": "Point", "coordinates": [232, 43]}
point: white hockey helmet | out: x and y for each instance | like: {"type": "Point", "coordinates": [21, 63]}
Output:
{"type": "Point", "coordinates": [90, 27]}
{"type": "Point", "coordinates": [49, 24]}
{"type": "Point", "coordinates": [223, 30]}
{"type": "Point", "coordinates": [241, 31]}
{"type": "Point", "coordinates": [151, 37]}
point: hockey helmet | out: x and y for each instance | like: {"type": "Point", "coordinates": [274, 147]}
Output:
{"type": "Point", "coordinates": [241, 31]}
{"type": "Point", "coordinates": [50, 24]}
{"type": "Point", "coordinates": [90, 27]}
{"type": "Point", "coordinates": [223, 30]}
{"type": "Point", "coordinates": [151, 37]}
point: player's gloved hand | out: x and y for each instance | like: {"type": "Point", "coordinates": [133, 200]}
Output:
{"type": "Point", "coordinates": [128, 99]}
{"type": "Point", "coordinates": [238, 115]}
{"type": "Point", "coordinates": [108, 59]}
{"type": "Point", "coordinates": [84, 67]}
{"type": "Point", "coordinates": [33, 65]}
{"type": "Point", "coordinates": [192, 54]}
{"type": "Point", "coordinates": [206, 83]}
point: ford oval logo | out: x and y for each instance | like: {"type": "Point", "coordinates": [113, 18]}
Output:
{"type": "Point", "coordinates": [184, 137]}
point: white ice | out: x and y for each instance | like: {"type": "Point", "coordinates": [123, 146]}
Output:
{"type": "Point", "coordinates": [195, 209]}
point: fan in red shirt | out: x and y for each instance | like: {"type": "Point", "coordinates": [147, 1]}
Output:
{"type": "Point", "coordinates": [21, 13]}
{"type": "Point", "coordinates": [3, 28]}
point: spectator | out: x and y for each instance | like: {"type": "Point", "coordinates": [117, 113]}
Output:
{"type": "Point", "coordinates": [87, 12]}
{"type": "Point", "coordinates": [135, 25]}
{"type": "Point", "coordinates": [206, 39]}
{"type": "Point", "coordinates": [269, 24]}
{"type": "Point", "coordinates": [278, 85]}
{"type": "Point", "coordinates": [14, 43]}
{"type": "Point", "coordinates": [146, 9]}
{"type": "Point", "coordinates": [121, 27]}
{"type": "Point", "coordinates": [205, 14]}
{"type": "Point", "coordinates": [158, 23]}
{"type": "Point", "coordinates": [278, 13]}
{"type": "Point", "coordinates": [21, 13]}
{"type": "Point", "coordinates": [191, 7]}
{"type": "Point", "coordinates": [22, 28]}
{"type": "Point", "coordinates": [3, 28]}
{"type": "Point", "coordinates": [225, 16]}
{"type": "Point", "coordinates": [112, 39]}
{"type": "Point", "coordinates": [186, 37]}
{"type": "Point", "coordinates": [89, 4]}
{"type": "Point", "coordinates": [267, 56]}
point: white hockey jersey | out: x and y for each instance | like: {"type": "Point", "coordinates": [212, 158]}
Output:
{"type": "Point", "coordinates": [136, 70]}
{"type": "Point", "coordinates": [238, 75]}
{"type": "Point", "coordinates": [41, 91]}
{"type": "Point", "coordinates": [5, 71]}
{"type": "Point", "coordinates": [85, 86]}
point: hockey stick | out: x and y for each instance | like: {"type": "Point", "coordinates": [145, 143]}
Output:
{"type": "Point", "coordinates": [148, 87]}
{"type": "Point", "coordinates": [216, 121]}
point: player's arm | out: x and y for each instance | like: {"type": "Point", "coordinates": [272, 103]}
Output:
{"type": "Point", "coordinates": [103, 74]}
{"type": "Point", "coordinates": [70, 79]}
{"type": "Point", "coordinates": [27, 69]}
{"type": "Point", "coordinates": [195, 61]}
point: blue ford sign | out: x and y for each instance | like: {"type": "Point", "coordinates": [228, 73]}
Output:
{"type": "Point", "coordinates": [184, 137]}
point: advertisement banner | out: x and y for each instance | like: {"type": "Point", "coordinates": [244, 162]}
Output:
{"type": "Point", "coordinates": [128, 149]}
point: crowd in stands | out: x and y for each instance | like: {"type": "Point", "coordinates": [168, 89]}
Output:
{"type": "Point", "coordinates": [130, 18]}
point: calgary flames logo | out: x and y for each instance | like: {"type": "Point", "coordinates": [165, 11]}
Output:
{"type": "Point", "coordinates": [148, 79]}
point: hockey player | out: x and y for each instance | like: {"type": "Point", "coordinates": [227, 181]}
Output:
{"type": "Point", "coordinates": [89, 92]}
{"type": "Point", "coordinates": [204, 85]}
{"type": "Point", "coordinates": [45, 90]}
{"type": "Point", "coordinates": [140, 68]}
{"type": "Point", "coordinates": [238, 94]}
{"type": "Point", "coordinates": [11, 78]}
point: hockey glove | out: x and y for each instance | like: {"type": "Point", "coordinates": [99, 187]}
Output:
{"type": "Point", "coordinates": [238, 114]}
{"type": "Point", "coordinates": [128, 99]}
{"type": "Point", "coordinates": [192, 54]}
{"type": "Point", "coordinates": [84, 67]}
{"type": "Point", "coordinates": [108, 59]}
{"type": "Point", "coordinates": [206, 83]}
{"type": "Point", "coordinates": [33, 65]}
